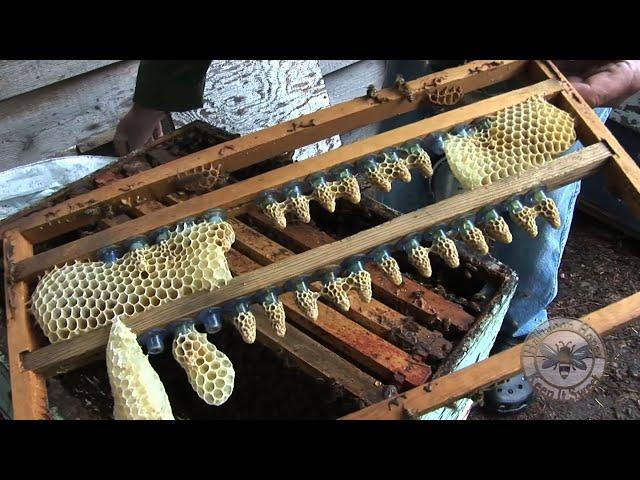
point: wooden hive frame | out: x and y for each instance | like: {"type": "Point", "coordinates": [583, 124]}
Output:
{"type": "Point", "coordinates": [31, 363]}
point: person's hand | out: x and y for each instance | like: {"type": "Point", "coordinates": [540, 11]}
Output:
{"type": "Point", "coordinates": [137, 128]}
{"type": "Point", "coordinates": [603, 83]}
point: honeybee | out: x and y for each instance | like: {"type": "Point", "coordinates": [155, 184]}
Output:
{"type": "Point", "coordinates": [565, 357]}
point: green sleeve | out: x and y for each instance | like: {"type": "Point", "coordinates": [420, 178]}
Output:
{"type": "Point", "coordinates": [171, 85]}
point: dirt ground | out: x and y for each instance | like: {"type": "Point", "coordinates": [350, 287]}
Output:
{"type": "Point", "coordinates": [600, 266]}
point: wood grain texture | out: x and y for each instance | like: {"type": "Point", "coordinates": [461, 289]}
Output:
{"type": "Point", "coordinates": [317, 360]}
{"type": "Point", "coordinates": [559, 172]}
{"type": "Point", "coordinates": [241, 193]}
{"type": "Point", "coordinates": [28, 389]}
{"type": "Point", "coordinates": [460, 384]}
{"type": "Point", "coordinates": [250, 149]}
{"type": "Point", "coordinates": [40, 123]}
{"type": "Point", "coordinates": [329, 66]}
{"type": "Point", "coordinates": [22, 76]}
{"type": "Point", "coordinates": [243, 96]}
{"type": "Point", "coordinates": [352, 81]}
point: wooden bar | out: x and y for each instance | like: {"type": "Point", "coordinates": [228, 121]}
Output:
{"type": "Point", "coordinates": [410, 297]}
{"type": "Point", "coordinates": [28, 389]}
{"type": "Point", "coordinates": [237, 194]}
{"type": "Point", "coordinates": [333, 328]}
{"type": "Point", "coordinates": [465, 382]}
{"type": "Point", "coordinates": [250, 149]}
{"type": "Point", "coordinates": [113, 221]}
{"type": "Point", "coordinates": [317, 360]}
{"type": "Point", "coordinates": [559, 172]}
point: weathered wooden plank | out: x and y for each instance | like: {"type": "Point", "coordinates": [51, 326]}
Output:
{"type": "Point", "coordinates": [244, 96]}
{"type": "Point", "coordinates": [352, 81]}
{"type": "Point", "coordinates": [411, 297]}
{"type": "Point", "coordinates": [346, 336]}
{"type": "Point", "coordinates": [329, 66]}
{"type": "Point", "coordinates": [42, 122]}
{"type": "Point", "coordinates": [561, 171]}
{"type": "Point", "coordinates": [317, 360]}
{"type": "Point", "coordinates": [113, 221]}
{"type": "Point", "coordinates": [465, 382]}
{"type": "Point", "coordinates": [28, 389]}
{"type": "Point", "coordinates": [22, 76]}
{"type": "Point", "coordinates": [235, 195]}
{"type": "Point", "coordinates": [248, 150]}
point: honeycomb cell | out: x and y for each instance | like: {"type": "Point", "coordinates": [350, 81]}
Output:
{"type": "Point", "coordinates": [138, 393]}
{"type": "Point", "coordinates": [308, 302]}
{"type": "Point", "coordinates": [326, 193]}
{"type": "Point", "coordinates": [530, 134]}
{"type": "Point", "coordinates": [472, 236]}
{"type": "Point", "coordinates": [525, 218]}
{"type": "Point", "coordinates": [389, 169]}
{"type": "Point", "coordinates": [498, 229]}
{"type": "Point", "coordinates": [204, 365]}
{"type": "Point", "coordinates": [245, 323]}
{"type": "Point", "coordinates": [419, 258]}
{"type": "Point", "coordinates": [276, 314]}
{"type": "Point", "coordinates": [446, 249]}
{"type": "Point", "coordinates": [391, 268]}
{"type": "Point", "coordinates": [125, 287]}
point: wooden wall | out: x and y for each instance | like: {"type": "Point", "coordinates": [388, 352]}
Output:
{"type": "Point", "coordinates": [53, 107]}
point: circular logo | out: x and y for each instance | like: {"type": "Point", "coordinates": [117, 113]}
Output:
{"type": "Point", "coordinates": [563, 359]}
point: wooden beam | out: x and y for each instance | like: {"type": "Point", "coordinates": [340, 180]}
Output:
{"type": "Point", "coordinates": [28, 389]}
{"type": "Point", "coordinates": [465, 382]}
{"type": "Point", "coordinates": [22, 76]}
{"type": "Point", "coordinates": [411, 297]}
{"type": "Point", "coordinates": [252, 148]}
{"type": "Point", "coordinates": [559, 172]}
{"type": "Point", "coordinates": [347, 337]}
{"type": "Point", "coordinates": [318, 361]}
{"type": "Point", "coordinates": [239, 194]}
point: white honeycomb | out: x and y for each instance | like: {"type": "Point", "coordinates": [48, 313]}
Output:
{"type": "Point", "coordinates": [391, 269]}
{"type": "Point", "coordinates": [326, 194]}
{"type": "Point", "coordinates": [276, 314]}
{"type": "Point", "coordinates": [245, 323]}
{"type": "Point", "coordinates": [210, 371]}
{"type": "Point", "coordinates": [386, 171]}
{"type": "Point", "coordinates": [443, 247]}
{"type": "Point", "coordinates": [307, 300]}
{"type": "Point", "coordinates": [138, 393]}
{"type": "Point", "coordinates": [84, 296]}
{"type": "Point", "coordinates": [299, 206]}
{"type": "Point", "coordinates": [338, 290]}
{"type": "Point", "coordinates": [518, 138]}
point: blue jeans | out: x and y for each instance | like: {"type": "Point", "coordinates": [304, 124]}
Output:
{"type": "Point", "coordinates": [536, 260]}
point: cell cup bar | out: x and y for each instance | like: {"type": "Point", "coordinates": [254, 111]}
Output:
{"type": "Point", "coordinates": [556, 173]}
{"type": "Point", "coordinates": [334, 286]}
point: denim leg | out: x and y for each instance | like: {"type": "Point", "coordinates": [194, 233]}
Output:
{"type": "Point", "coordinates": [536, 260]}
